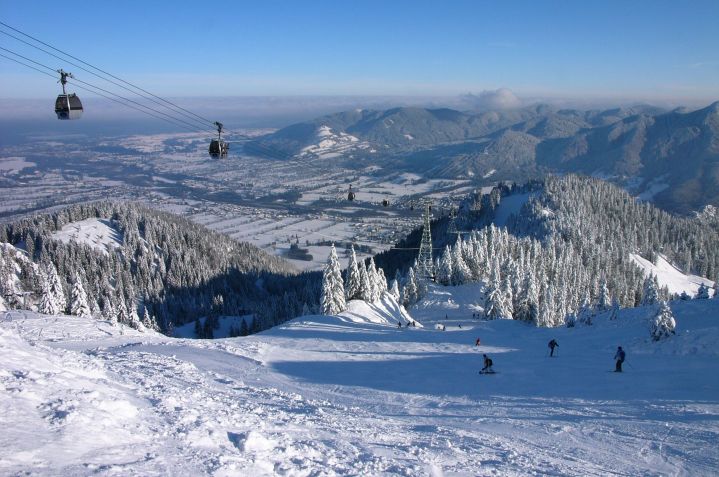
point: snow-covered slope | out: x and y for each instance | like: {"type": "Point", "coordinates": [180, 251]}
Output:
{"type": "Point", "coordinates": [353, 395]}
{"type": "Point", "coordinates": [670, 276]}
{"type": "Point", "coordinates": [97, 233]}
{"type": "Point", "coordinates": [332, 144]}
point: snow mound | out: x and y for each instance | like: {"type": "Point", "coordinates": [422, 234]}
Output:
{"type": "Point", "coordinates": [386, 311]}
{"type": "Point", "coordinates": [99, 234]}
{"type": "Point", "coordinates": [670, 276]}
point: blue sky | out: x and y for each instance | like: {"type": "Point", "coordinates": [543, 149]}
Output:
{"type": "Point", "coordinates": [605, 49]}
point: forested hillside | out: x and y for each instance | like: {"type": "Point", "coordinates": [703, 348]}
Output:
{"type": "Point", "coordinates": [165, 271]}
{"type": "Point", "coordinates": [563, 252]}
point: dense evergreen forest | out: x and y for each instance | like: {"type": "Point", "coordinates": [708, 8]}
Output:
{"type": "Point", "coordinates": [167, 271]}
{"type": "Point", "coordinates": [565, 254]}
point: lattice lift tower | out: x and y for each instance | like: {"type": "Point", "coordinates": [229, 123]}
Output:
{"type": "Point", "coordinates": [425, 265]}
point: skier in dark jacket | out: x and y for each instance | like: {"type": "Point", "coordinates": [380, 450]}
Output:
{"type": "Point", "coordinates": [487, 365]}
{"type": "Point", "coordinates": [552, 344]}
{"type": "Point", "coordinates": [619, 356]}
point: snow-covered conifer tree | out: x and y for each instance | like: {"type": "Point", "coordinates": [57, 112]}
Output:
{"type": "Point", "coordinates": [460, 271]}
{"type": "Point", "coordinates": [662, 324]}
{"type": "Point", "coordinates": [650, 294]}
{"type": "Point", "coordinates": [374, 282]}
{"type": "Point", "coordinates": [394, 290]}
{"type": "Point", "coordinates": [333, 294]}
{"type": "Point", "coordinates": [410, 290]}
{"type": "Point", "coordinates": [605, 300]}
{"type": "Point", "coordinates": [353, 285]}
{"type": "Point", "coordinates": [546, 309]}
{"type": "Point", "coordinates": [495, 306]}
{"type": "Point", "coordinates": [47, 299]}
{"type": "Point", "coordinates": [586, 312]}
{"type": "Point", "coordinates": [703, 292]}
{"type": "Point", "coordinates": [381, 283]}
{"type": "Point", "coordinates": [444, 271]}
{"type": "Point", "coordinates": [529, 303]}
{"type": "Point", "coordinates": [365, 284]}
{"type": "Point", "coordinates": [55, 286]}
{"type": "Point", "coordinates": [79, 305]}
{"type": "Point", "coordinates": [135, 318]}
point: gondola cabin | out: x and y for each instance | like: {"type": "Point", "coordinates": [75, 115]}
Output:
{"type": "Point", "coordinates": [67, 106]}
{"type": "Point", "coordinates": [385, 203]}
{"type": "Point", "coordinates": [218, 148]}
{"type": "Point", "coordinates": [350, 194]}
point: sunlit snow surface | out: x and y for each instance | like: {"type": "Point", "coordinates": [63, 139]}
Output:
{"type": "Point", "coordinates": [356, 395]}
{"type": "Point", "coordinates": [99, 234]}
{"type": "Point", "coordinates": [670, 276]}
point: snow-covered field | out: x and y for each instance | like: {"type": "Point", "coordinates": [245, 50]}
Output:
{"type": "Point", "coordinates": [356, 395]}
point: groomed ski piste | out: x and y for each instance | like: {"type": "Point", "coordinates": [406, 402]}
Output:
{"type": "Point", "coordinates": [356, 395]}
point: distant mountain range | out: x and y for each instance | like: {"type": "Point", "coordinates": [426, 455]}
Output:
{"type": "Point", "coordinates": [670, 157]}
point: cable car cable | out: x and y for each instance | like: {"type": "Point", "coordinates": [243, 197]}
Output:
{"type": "Point", "coordinates": [179, 121]}
{"type": "Point", "coordinates": [110, 81]}
{"type": "Point", "coordinates": [102, 71]}
{"type": "Point", "coordinates": [193, 129]}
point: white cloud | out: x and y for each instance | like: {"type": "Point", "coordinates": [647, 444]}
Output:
{"type": "Point", "coordinates": [501, 98]}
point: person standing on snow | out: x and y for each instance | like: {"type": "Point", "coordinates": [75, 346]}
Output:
{"type": "Point", "coordinates": [487, 365]}
{"type": "Point", "coordinates": [552, 344]}
{"type": "Point", "coordinates": [478, 342]}
{"type": "Point", "coordinates": [619, 356]}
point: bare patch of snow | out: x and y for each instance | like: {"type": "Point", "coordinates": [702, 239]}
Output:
{"type": "Point", "coordinates": [100, 234]}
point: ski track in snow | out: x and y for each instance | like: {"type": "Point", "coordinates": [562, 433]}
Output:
{"type": "Point", "coordinates": [336, 397]}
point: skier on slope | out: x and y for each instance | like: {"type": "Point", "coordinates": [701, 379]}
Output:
{"type": "Point", "coordinates": [552, 344]}
{"type": "Point", "coordinates": [478, 342]}
{"type": "Point", "coordinates": [620, 355]}
{"type": "Point", "coordinates": [487, 365]}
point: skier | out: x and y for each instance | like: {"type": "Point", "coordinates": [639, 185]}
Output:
{"type": "Point", "coordinates": [619, 356]}
{"type": "Point", "coordinates": [552, 344]}
{"type": "Point", "coordinates": [477, 343]}
{"type": "Point", "coordinates": [399, 324]}
{"type": "Point", "coordinates": [487, 365]}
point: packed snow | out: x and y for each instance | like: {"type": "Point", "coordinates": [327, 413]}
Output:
{"type": "Point", "coordinates": [99, 234]}
{"type": "Point", "coordinates": [670, 276]}
{"type": "Point", "coordinates": [357, 395]}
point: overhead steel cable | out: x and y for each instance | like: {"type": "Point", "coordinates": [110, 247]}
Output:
{"type": "Point", "coordinates": [54, 76]}
{"type": "Point", "coordinates": [179, 109]}
{"type": "Point", "coordinates": [198, 125]}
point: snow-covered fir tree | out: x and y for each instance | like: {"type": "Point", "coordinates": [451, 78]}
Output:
{"type": "Point", "coordinates": [703, 292]}
{"type": "Point", "coordinates": [394, 289]}
{"type": "Point", "coordinates": [444, 269]}
{"type": "Point", "coordinates": [55, 286]}
{"type": "Point", "coordinates": [662, 325]}
{"type": "Point", "coordinates": [47, 305]}
{"type": "Point", "coordinates": [650, 294]}
{"type": "Point", "coordinates": [353, 285]}
{"type": "Point", "coordinates": [78, 299]}
{"type": "Point", "coordinates": [495, 304]}
{"type": "Point", "coordinates": [605, 300]}
{"type": "Point", "coordinates": [365, 284]}
{"type": "Point", "coordinates": [410, 290]}
{"type": "Point", "coordinates": [333, 294]}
